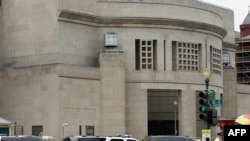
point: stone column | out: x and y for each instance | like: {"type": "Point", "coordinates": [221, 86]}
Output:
{"type": "Point", "coordinates": [229, 107]}
{"type": "Point", "coordinates": [112, 99]}
{"type": "Point", "coordinates": [187, 113]}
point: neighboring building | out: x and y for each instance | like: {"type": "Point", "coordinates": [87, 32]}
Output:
{"type": "Point", "coordinates": [108, 67]}
{"type": "Point", "coordinates": [242, 59]}
{"type": "Point", "coordinates": [243, 52]}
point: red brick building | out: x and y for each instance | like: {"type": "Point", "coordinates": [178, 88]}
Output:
{"type": "Point", "coordinates": [242, 56]}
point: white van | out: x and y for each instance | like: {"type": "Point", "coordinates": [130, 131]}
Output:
{"type": "Point", "coordinates": [121, 139]}
{"type": "Point", "coordinates": [47, 138]}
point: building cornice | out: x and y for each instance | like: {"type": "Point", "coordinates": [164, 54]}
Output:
{"type": "Point", "coordinates": [93, 20]}
{"type": "Point", "coordinates": [230, 45]}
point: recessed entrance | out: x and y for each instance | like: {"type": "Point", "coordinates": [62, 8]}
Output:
{"type": "Point", "coordinates": [162, 112]}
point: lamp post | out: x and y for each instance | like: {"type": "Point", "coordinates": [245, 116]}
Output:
{"type": "Point", "coordinates": [175, 108]}
{"type": "Point", "coordinates": [64, 125]}
{"type": "Point", "coordinates": [207, 76]}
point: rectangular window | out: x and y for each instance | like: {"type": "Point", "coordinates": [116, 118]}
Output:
{"type": "Point", "coordinates": [215, 60]}
{"type": "Point", "coordinates": [221, 97]}
{"type": "Point", "coordinates": [186, 56]}
{"type": "Point", "coordinates": [37, 130]}
{"type": "Point", "coordinates": [18, 130]}
{"type": "Point", "coordinates": [110, 39]}
{"type": "Point", "coordinates": [145, 54]}
{"type": "Point", "coordinates": [164, 54]}
{"type": "Point", "coordinates": [226, 58]}
{"type": "Point", "coordinates": [90, 130]}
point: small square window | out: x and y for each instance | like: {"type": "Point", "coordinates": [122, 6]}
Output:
{"type": "Point", "coordinates": [110, 39]}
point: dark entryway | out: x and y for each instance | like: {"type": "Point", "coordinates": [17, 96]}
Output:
{"type": "Point", "coordinates": [37, 130]}
{"type": "Point", "coordinates": [4, 131]}
{"type": "Point", "coordinates": [162, 113]}
{"type": "Point", "coordinates": [161, 127]}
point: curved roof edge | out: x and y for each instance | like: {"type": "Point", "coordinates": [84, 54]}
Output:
{"type": "Point", "coordinates": [214, 4]}
{"type": "Point", "coordinates": [230, 45]}
{"type": "Point", "coordinates": [101, 21]}
{"type": "Point", "coordinates": [200, 4]}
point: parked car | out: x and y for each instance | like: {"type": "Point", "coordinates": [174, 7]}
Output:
{"type": "Point", "coordinates": [99, 138]}
{"type": "Point", "coordinates": [167, 138]}
{"type": "Point", "coordinates": [20, 138]}
{"type": "Point", "coordinates": [47, 138]}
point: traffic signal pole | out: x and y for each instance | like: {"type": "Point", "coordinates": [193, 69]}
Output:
{"type": "Point", "coordinates": [207, 113]}
{"type": "Point", "coordinates": [207, 106]}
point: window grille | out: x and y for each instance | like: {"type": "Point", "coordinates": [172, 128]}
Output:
{"type": "Point", "coordinates": [145, 51]}
{"type": "Point", "coordinates": [186, 56]}
{"type": "Point", "coordinates": [215, 60]}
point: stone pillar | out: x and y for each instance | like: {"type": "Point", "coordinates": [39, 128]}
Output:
{"type": "Point", "coordinates": [187, 113]}
{"type": "Point", "coordinates": [112, 99]}
{"type": "Point", "coordinates": [229, 106]}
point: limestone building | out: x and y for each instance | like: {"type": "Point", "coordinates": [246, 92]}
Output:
{"type": "Point", "coordinates": [108, 67]}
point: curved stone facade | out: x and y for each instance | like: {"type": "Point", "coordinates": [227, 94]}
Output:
{"type": "Point", "coordinates": [56, 69]}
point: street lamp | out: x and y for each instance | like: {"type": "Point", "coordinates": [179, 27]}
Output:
{"type": "Point", "coordinates": [175, 107]}
{"type": "Point", "coordinates": [207, 76]}
{"type": "Point", "coordinates": [64, 125]}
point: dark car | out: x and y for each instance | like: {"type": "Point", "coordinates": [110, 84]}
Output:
{"type": "Point", "coordinates": [99, 138]}
{"type": "Point", "coordinates": [20, 138]}
{"type": "Point", "coordinates": [167, 138]}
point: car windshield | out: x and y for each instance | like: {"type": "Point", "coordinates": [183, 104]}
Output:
{"type": "Point", "coordinates": [91, 139]}
{"type": "Point", "coordinates": [173, 138]}
{"type": "Point", "coordinates": [30, 138]}
{"type": "Point", "coordinates": [131, 139]}
{"type": "Point", "coordinates": [116, 139]}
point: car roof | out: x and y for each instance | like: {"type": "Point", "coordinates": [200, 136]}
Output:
{"type": "Point", "coordinates": [167, 138]}
{"type": "Point", "coordinates": [107, 138]}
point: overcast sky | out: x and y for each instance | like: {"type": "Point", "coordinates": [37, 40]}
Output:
{"type": "Point", "coordinates": [240, 8]}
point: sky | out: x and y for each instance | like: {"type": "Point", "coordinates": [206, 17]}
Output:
{"type": "Point", "coordinates": [240, 8]}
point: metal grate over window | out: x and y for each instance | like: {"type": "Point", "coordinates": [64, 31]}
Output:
{"type": "Point", "coordinates": [145, 54]}
{"type": "Point", "coordinates": [216, 60]}
{"type": "Point", "coordinates": [188, 56]}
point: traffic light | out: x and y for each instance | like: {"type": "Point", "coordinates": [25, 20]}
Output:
{"type": "Point", "coordinates": [203, 105]}
{"type": "Point", "coordinates": [212, 117]}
